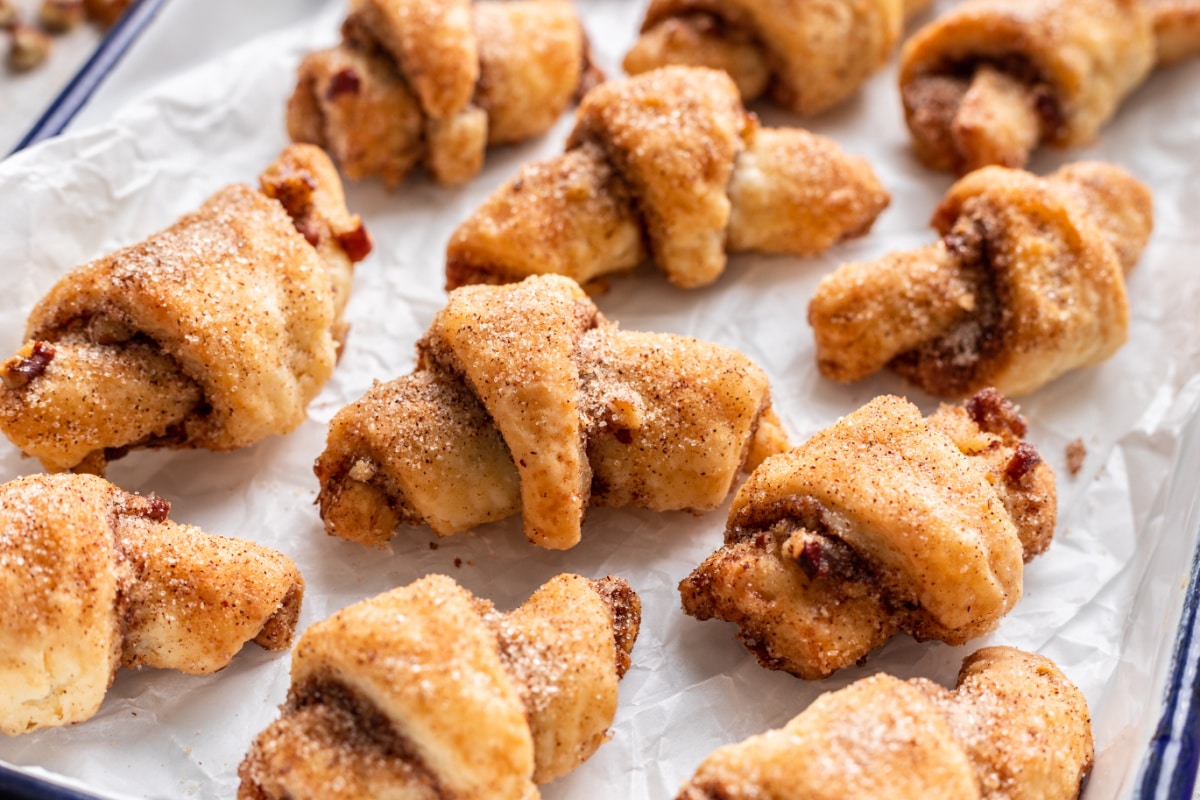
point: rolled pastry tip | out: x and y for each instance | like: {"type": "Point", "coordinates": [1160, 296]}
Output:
{"type": "Point", "coordinates": [991, 80]}
{"type": "Point", "coordinates": [526, 400]}
{"type": "Point", "coordinates": [1026, 283]}
{"type": "Point", "coordinates": [1176, 29]}
{"type": "Point", "coordinates": [1014, 726]}
{"type": "Point", "coordinates": [214, 333]}
{"type": "Point", "coordinates": [103, 579]}
{"type": "Point", "coordinates": [666, 166]}
{"type": "Point", "coordinates": [883, 522]}
{"type": "Point", "coordinates": [806, 56]}
{"type": "Point", "coordinates": [429, 692]}
{"type": "Point", "coordinates": [435, 83]}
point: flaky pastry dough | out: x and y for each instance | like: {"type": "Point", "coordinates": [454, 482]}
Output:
{"type": "Point", "coordinates": [666, 165]}
{"type": "Point", "coordinates": [992, 79]}
{"type": "Point", "coordinates": [526, 399]}
{"type": "Point", "coordinates": [428, 692]}
{"type": "Point", "coordinates": [213, 333]}
{"type": "Point", "coordinates": [807, 55]}
{"type": "Point", "coordinates": [880, 523]}
{"type": "Point", "coordinates": [437, 81]}
{"type": "Point", "coordinates": [93, 578]}
{"type": "Point", "coordinates": [1014, 728]}
{"type": "Point", "coordinates": [1026, 283]}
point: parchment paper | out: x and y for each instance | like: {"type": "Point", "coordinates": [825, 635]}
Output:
{"type": "Point", "coordinates": [1102, 602]}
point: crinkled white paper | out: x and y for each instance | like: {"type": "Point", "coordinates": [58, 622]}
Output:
{"type": "Point", "coordinates": [1102, 602]}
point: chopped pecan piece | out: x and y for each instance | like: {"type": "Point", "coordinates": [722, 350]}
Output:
{"type": "Point", "coordinates": [345, 81]}
{"type": "Point", "coordinates": [27, 364]}
{"type": "Point", "coordinates": [1024, 458]}
{"type": "Point", "coordinates": [356, 242]}
{"type": "Point", "coordinates": [28, 47]}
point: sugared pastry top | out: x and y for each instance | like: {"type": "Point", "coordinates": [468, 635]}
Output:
{"type": "Point", "coordinates": [1027, 282]}
{"type": "Point", "coordinates": [667, 166]}
{"type": "Point", "coordinates": [429, 692]}
{"type": "Point", "coordinates": [527, 400]}
{"type": "Point", "coordinates": [93, 578]}
{"type": "Point", "coordinates": [884, 521]}
{"type": "Point", "coordinates": [214, 333]}
{"type": "Point", "coordinates": [435, 82]}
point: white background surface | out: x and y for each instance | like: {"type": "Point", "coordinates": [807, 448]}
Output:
{"type": "Point", "coordinates": [1102, 601]}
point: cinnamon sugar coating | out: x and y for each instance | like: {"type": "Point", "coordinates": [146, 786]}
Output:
{"type": "Point", "coordinates": [992, 79]}
{"type": "Point", "coordinates": [667, 166]}
{"type": "Point", "coordinates": [428, 692]}
{"type": "Point", "coordinates": [437, 81]}
{"type": "Point", "coordinates": [1014, 728]}
{"type": "Point", "coordinates": [880, 523]}
{"type": "Point", "coordinates": [93, 578]}
{"type": "Point", "coordinates": [213, 333]}
{"type": "Point", "coordinates": [1026, 283]}
{"type": "Point", "coordinates": [526, 399]}
{"type": "Point", "coordinates": [807, 56]}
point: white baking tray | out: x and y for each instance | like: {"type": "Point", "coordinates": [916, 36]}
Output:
{"type": "Point", "coordinates": [1106, 602]}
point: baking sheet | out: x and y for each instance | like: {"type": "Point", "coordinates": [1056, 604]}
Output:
{"type": "Point", "coordinates": [24, 95]}
{"type": "Point", "coordinates": [1102, 602]}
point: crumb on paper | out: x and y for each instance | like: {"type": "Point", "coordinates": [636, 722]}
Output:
{"type": "Point", "coordinates": [1076, 453]}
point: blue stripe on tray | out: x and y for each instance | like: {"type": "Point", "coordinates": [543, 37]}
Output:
{"type": "Point", "coordinates": [17, 786]}
{"type": "Point", "coordinates": [1169, 771]}
{"type": "Point", "coordinates": [116, 42]}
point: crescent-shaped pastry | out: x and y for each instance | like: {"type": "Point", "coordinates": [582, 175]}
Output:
{"type": "Point", "coordinates": [880, 523]}
{"type": "Point", "coordinates": [1013, 727]}
{"type": "Point", "coordinates": [992, 79]}
{"type": "Point", "coordinates": [1026, 283]}
{"type": "Point", "coordinates": [527, 400]}
{"type": "Point", "coordinates": [214, 333]}
{"type": "Point", "coordinates": [428, 692]}
{"type": "Point", "coordinates": [93, 578]}
{"type": "Point", "coordinates": [666, 165]}
{"type": "Point", "coordinates": [807, 55]}
{"type": "Point", "coordinates": [437, 81]}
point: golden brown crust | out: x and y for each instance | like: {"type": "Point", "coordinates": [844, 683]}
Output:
{"type": "Point", "coordinates": [525, 398]}
{"type": "Point", "coordinates": [1076, 62]}
{"type": "Point", "coordinates": [669, 165]}
{"type": "Point", "coordinates": [436, 81]}
{"type": "Point", "coordinates": [1176, 29]}
{"type": "Point", "coordinates": [92, 578]}
{"type": "Point", "coordinates": [881, 522]}
{"type": "Point", "coordinates": [677, 172]}
{"type": "Point", "coordinates": [1026, 283]}
{"type": "Point", "coordinates": [1015, 727]}
{"type": "Point", "coordinates": [429, 692]}
{"type": "Point", "coordinates": [214, 333]}
{"type": "Point", "coordinates": [808, 55]}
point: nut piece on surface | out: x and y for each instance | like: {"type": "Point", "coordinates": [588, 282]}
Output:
{"type": "Point", "coordinates": [27, 47]}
